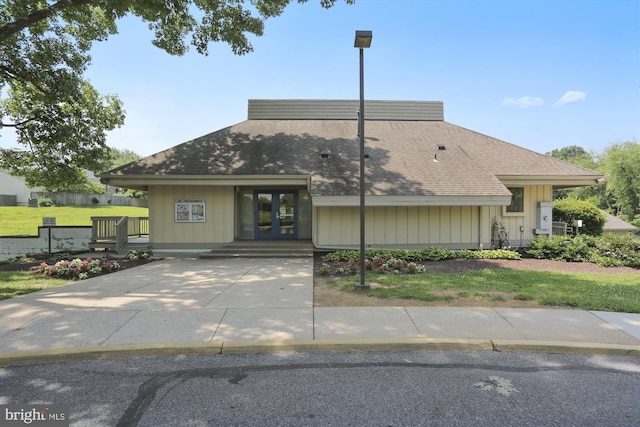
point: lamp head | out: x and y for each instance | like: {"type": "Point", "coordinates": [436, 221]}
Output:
{"type": "Point", "coordinates": [363, 39]}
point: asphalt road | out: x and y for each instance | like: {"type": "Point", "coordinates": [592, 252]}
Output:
{"type": "Point", "coordinates": [338, 389]}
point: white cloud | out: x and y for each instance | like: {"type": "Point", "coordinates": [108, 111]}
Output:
{"type": "Point", "coordinates": [524, 102]}
{"type": "Point", "coordinates": [570, 97]}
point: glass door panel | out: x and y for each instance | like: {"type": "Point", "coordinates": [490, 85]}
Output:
{"type": "Point", "coordinates": [275, 216]}
{"type": "Point", "coordinates": [265, 214]}
{"type": "Point", "coordinates": [286, 213]}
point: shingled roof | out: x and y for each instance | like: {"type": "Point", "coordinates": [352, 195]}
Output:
{"type": "Point", "coordinates": [422, 156]}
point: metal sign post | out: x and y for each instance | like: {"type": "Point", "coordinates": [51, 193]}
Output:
{"type": "Point", "coordinates": [49, 221]}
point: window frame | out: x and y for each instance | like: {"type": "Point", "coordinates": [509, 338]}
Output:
{"type": "Point", "coordinates": [514, 197]}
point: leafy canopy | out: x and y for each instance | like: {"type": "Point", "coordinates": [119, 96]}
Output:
{"type": "Point", "coordinates": [59, 118]}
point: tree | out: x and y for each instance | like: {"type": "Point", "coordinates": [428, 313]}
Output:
{"type": "Point", "coordinates": [578, 156]}
{"type": "Point", "coordinates": [571, 210]}
{"type": "Point", "coordinates": [621, 164]}
{"type": "Point", "coordinates": [59, 118]}
{"type": "Point", "coordinates": [122, 157]}
{"type": "Point", "coordinates": [575, 155]}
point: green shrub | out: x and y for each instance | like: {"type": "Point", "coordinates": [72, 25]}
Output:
{"type": "Point", "coordinates": [408, 255]}
{"type": "Point", "coordinates": [60, 256]}
{"type": "Point", "coordinates": [18, 259]}
{"type": "Point", "coordinates": [608, 250]}
{"type": "Point", "coordinates": [489, 254]}
{"type": "Point", "coordinates": [45, 202]}
{"type": "Point", "coordinates": [561, 248]}
{"type": "Point", "coordinates": [618, 250]}
{"type": "Point", "coordinates": [134, 254]}
{"type": "Point", "coordinates": [399, 261]}
{"type": "Point", "coordinates": [572, 210]}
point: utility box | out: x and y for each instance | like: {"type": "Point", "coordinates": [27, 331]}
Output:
{"type": "Point", "coordinates": [544, 218]}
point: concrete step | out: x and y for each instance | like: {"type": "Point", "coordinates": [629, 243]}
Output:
{"type": "Point", "coordinates": [261, 249]}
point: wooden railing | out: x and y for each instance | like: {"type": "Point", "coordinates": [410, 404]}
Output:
{"type": "Point", "coordinates": [114, 231]}
{"type": "Point", "coordinates": [138, 226]}
{"type": "Point", "coordinates": [560, 228]}
{"type": "Point", "coordinates": [103, 228]}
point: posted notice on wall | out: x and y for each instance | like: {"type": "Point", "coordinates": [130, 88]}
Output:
{"type": "Point", "coordinates": [190, 210]}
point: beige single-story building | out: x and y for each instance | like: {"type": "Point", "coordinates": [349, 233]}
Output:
{"type": "Point", "coordinates": [291, 171]}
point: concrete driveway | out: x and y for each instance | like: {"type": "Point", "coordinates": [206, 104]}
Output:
{"type": "Point", "coordinates": [167, 301]}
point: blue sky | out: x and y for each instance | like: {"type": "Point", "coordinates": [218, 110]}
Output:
{"type": "Point", "coordinates": [541, 74]}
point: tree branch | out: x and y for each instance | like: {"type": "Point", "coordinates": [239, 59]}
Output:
{"type": "Point", "coordinates": [14, 125]}
{"type": "Point", "coordinates": [12, 28]}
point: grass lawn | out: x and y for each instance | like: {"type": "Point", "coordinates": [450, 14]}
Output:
{"type": "Point", "coordinates": [15, 283]}
{"type": "Point", "coordinates": [619, 293]}
{"type": "Point", "coordinates": [22, 220]}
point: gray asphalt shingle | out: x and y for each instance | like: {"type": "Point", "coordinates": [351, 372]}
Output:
{"type": "Point", "coordinates": [401, 157]}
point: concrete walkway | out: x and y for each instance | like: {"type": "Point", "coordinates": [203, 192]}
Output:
{"type": "Point", "coordinates": [183, 301]}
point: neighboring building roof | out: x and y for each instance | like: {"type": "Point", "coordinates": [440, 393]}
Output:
{"type": "Point", "coordinates": [613, 224]}
{"type": "Point", "coordinates": [402, 153]}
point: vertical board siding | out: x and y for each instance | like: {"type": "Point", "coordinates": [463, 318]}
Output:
{"type": "Point", "coordinates": [463, 226]}
{"type": "Point", "coordinates": [219, 210]}
{"type": "Point", "coordinates": [532, 195]}
{"type": "Point", "coordinates": [402, 227]}
{"type": "Point", "coordinates": [397, 226]}
{"type": "Point", "coordinates": [413, 224]}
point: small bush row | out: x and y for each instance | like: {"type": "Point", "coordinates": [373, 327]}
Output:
{"type": "Point", "coordinates": [79, 269]}
{"type": "Point", "coordinates": [609, 249]}
{"type": "Point", "coordinates": [409, 255]}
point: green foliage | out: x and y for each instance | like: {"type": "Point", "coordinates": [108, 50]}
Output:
{"type": "Point", "coordinates": [402, 261]}
{"type": "Point", "coordinates": [621, 164]}
{"type": "Point", "coordinates": [608, 250]}
{"type": "Point", "coordinates": [572, 210]}
{"type": "Point", "coordinates": [580, 157]}
{"type": "Point", "coordinates": [61, 256]}
{"type": "Point", "coordinates": [575, 155]}
{"type": "Point", "coordinates": [121, 157]}
{"type": "Point", "coordinates": [134, 254]}
{"type": "Point", "coordinates": [409, 255]}
{"type": "Point", "coordinates": [489, 254]}
{"type": "Point", "coordinates": [18, 260]}
{"type": "Point", "coordinates": [620, 192]}
{"type": "Point", "coordinates": [60, 119]}
{"type": "Point", "coordinates": [45, 202]}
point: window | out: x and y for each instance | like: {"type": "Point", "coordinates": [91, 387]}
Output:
{"type": "Point", "coordinates": [517, 200]}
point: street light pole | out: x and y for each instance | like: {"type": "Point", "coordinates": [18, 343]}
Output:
{"type": "Point", "coordinates": [363, 40]}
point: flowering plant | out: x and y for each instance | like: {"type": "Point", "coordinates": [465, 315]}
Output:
{"type": "Point", "coordinates": [78, 268]}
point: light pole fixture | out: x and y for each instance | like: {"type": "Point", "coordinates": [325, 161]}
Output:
{"type": "Point", "coordinates": [363, 40]}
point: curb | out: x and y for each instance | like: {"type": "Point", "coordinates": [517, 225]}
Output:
{"type": "Point", "coordinates": [41, 357]}
{"type": "Point", "coordinates": [534, 346]}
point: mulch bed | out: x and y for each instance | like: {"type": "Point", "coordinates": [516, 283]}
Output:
{"type": "Point", "coordinates": [463, 265]}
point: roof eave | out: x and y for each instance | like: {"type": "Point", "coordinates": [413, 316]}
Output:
{"type": "Point", "coordinates": [557, 181]}
{"type": "Point", "coordinates": [484, 200]}
{"type": "Point", "coordinates": [139, 181]}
